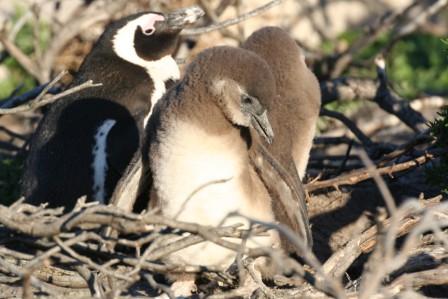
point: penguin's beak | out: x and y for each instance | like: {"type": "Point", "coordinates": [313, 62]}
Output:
{"type": "Point", "coordinates": [261, 124]}
{"type": "Point", "coordinates": [180, 18]}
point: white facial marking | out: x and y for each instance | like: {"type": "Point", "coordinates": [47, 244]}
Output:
{"type": "Point", "coordinates": [99, 165]}
{"type": "Point", "coordinates": [199, 178]}
{"type": "Point", "coordinates": [160, 71]}
{"type": "Point", "coordinates": [123, 42]}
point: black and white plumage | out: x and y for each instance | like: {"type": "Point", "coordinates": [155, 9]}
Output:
{"type": "Point", "coordinates": [86, 140]}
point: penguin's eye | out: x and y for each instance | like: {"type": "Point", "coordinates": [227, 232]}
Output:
{"type": "Point", "coordinates": [148, 32]}
{"type": "Point", "coordinates": [246, 99]}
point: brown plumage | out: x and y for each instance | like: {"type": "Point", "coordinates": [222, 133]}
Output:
{"type": "Point", "coordinates": [198, 142]}
{"type": "Point", "coordinates": [204, 154]}
{"type": "Point", "coordinates": [293, 115]}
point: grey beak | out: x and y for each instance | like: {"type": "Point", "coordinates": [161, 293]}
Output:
{"type": "Point", "coordinates": [263, 127]}
{"type": "Point", "coordinates": [178, 19]}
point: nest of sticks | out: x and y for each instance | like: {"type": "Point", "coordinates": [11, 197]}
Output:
{"type": "Point", "coordinates": [98, 250]}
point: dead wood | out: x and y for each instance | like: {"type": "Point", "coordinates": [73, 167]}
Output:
{"type": "Point", "coordinates": [52, 254]}
{"type": "Point", "coordinates": [359, 175]}
{"type": "Point", "coordinates": [68, 246]}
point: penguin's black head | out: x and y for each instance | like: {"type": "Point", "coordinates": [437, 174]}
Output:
{"type": "Point", "coordinates": [149, 36]}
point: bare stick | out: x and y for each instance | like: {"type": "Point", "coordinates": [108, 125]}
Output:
{"type": "Point", "coordinates": [37, 104]}
{"type": "Point", "coordinates": [96, 12]}
{"type": "Point", "coordinates": [360, 175]}
{"type": "Point", "coordinates": [24, 275]}
{"type": "Point", "coordinates": [243, 17]}
{"type": "Point", "coordinates": [349, 124]}
{"type": "Point", "coordinates": [417, 280]}
{"type": "Point", "coordinates": [22, 58]}
{"type": "Point", "coordinates": [395, 105]}
{"type": "Point", "coordinates": [349, 89]}
{"type": "Point", "coordinates": [89, 262]}
{"type": "Point", "coordinates": [327, 284]}
{"type": "Point", "coordinates": [419, 20]}
{"type": "Point", "coordinates": [385, 192]}
{"type": "Point", "coordinates": [341, 260]}
{"type": "Point", "coordinates": [27, 96]}
{"type": "Point", "coordinates": [215, 19]}
{"type": "Point", "coordinates": [387, 21]}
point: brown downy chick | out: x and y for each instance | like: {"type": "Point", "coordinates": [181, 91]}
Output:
{"type": "Point", "coordinates": [293, 115]}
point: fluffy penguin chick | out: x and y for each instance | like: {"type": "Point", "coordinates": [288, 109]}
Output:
{"type": "Point", "coordinates": [198, 148]}
{"type": "Point", "coordinates": [86, 140]}
{"type": "Point", "coordinates": [294, 113]}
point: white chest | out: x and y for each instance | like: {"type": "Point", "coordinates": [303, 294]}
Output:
{"type": "Point", "coordinates": [160, 71]}
{"type": "Point", "coordinates": [199, 178]}
{"type": "Point", "coordinates": [197, 175]}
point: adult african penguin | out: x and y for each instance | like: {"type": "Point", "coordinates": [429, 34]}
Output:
{"type": "Point", "coordinates": [86, 140]}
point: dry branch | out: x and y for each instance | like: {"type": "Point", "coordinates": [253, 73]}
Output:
{"type": "Point", "coordinates": [359, 175]}
{"type": "Point", "coordinates": [43, 249]}
{"type": "Point", "coordinates": [98, 11]}
{"type": "Point", "coordinates": [243, 17]}
{"type": "Point", "coordinates": [26, 62]}
{"type": "Point", "coordinates": [350, 125]}
{"type": "Point", "coordinates": [417, 280]}
{"type": "Point", "coordinates": [348, 89]}
{"type": "Point", "coordinates": [341, 260]}
{"type": "Point", "coordinates": [389, 101]}
{"type": "Point", "coordinates": [40, 101]}
{"type": "Point", "coordinates": [41, 64]}
{"type": "Point", "coordinates": [389, 20]}
{"type": "Point", "coordinates": [73, 253]}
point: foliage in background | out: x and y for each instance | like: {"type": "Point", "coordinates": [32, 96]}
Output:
{"type": "Point", "coordinates": [416, 63]}
{"type": "Point", "coordinates": [15, 75]}
{"type": "Point", "coordinates": [438, 175]}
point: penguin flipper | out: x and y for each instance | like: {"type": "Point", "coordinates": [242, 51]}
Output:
{"type": "Point", "coordinates": [128, 187]}
{"type": "Point", "coordinates": [287, 192]}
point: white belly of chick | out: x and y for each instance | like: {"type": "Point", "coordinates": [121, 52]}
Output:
{"type": "Point", "coordinates": [199, 179]}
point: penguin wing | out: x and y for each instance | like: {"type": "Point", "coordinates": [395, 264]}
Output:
{"type": "Point", "coordinates": [129, 187]}
{"type": "Point", "coordinates": [286, 190]}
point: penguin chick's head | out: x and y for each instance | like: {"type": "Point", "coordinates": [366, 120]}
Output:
{"type": "Point", "coordinates": [149, 36]}
{"type": "Point", "coordinates": [241, 83]}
